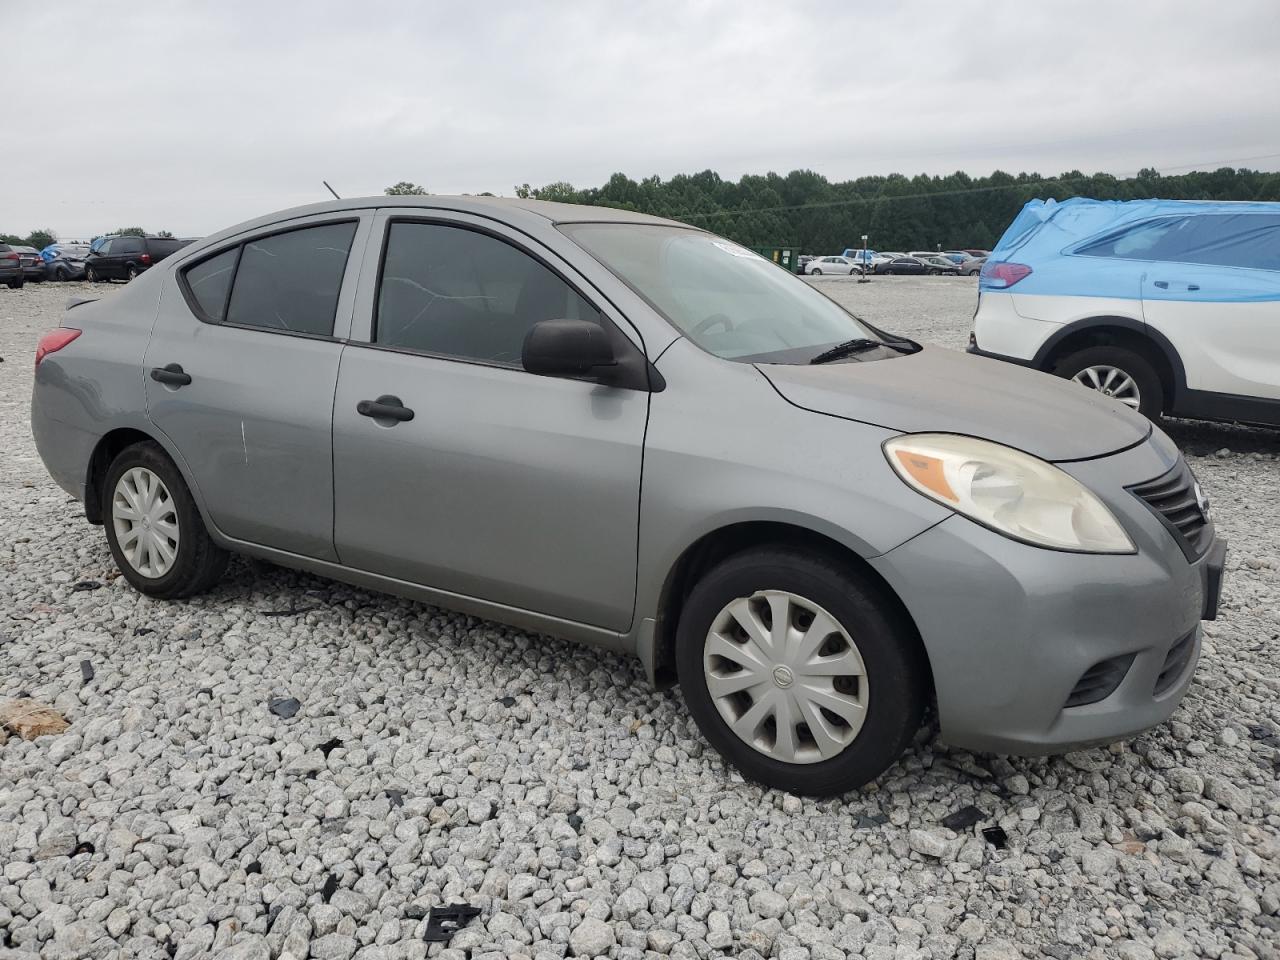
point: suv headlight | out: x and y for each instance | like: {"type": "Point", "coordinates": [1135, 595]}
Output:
{"type": "Point", "coordinates": [1013, 493]}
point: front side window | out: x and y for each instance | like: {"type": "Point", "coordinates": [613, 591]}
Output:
{"type": "Point", "coordinates": [458, 293]}
{"type": "Point", "coordinates": [105, 248]}
{"type": "Point", "coordinates": [731, 302]}
{"type": "Point", "coordinates": [291, 281]}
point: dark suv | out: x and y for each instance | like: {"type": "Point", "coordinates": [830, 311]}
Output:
{"type": "Point", "coordinates": [123, 258]}
{"type": "Point", "coordinates": [10, 267]}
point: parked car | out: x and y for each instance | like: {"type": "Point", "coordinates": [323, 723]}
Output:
{"type": "Point", "coordinates": [11, 274]}
{"type": "Point", "coordinates": [884, 259]}
{"type": "Point", "coordinates": [867, 259]}
{"type": "Point", "coordinates": [971, 266]}
{"type": "Point", "coordinates": [941, 264]}
{"type": "Point", "coordinates": [908, 265]}
{"type": "Point", "coordinates": [124, 257]}
{"type": "Point", "coordinates": [65, 261]}
{"type": "Point", "coordinates": [832, 265]}
{"type": "Point", "coordinates": [978, 254]}
{"type": "Point", "coordinates": [32, 265]}
{"type": "Point", "coordinates": [1170, 306]}
{"type": "Point", "coordinates": [836, 526]}
{"type": "Point", "coordinates": [804, 260]}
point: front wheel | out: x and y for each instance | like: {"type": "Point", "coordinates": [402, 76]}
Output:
{"type": "Point", "coordinates": [1117, 373]}
{"type": "Point", "coordinates": [90, 275]}
{"type": "Point", "coordinates": [154, 529]}
{"type": "Point", "coordinates": [799, 672]}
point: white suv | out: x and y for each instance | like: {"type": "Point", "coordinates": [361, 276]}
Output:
{"type": "Point", "coordinates": [1169, 306]}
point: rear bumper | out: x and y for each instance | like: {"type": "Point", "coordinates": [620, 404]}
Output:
{"type": "Point", "coordinates": [1012, 630]}
{"type": "Point", "coordinates": [65, 450]}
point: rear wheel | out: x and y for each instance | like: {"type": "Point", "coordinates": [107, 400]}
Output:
{"type": "Point", "coordinates": [1118, 373]}
{"type": "Point", "coordinates": [131, 273]}
{"type": "Point", "coordinates": [91, 275]}
{"type": "Point", "coordinates": [154, 529]}
{"type": "Point", "coordinates": [799, 672]}
{"type": "Point", "coordinates": [815, 273]}
{"type": "Point", "coordinates": [16, 283]}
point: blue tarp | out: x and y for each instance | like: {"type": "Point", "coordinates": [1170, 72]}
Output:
{"type": "Point", "coordinates": [1082, 247]}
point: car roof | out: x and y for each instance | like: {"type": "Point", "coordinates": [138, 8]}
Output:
{"type": "Point", "coordinates": [513, 211]}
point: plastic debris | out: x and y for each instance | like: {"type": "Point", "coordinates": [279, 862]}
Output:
{"type": "Point", "coordinates": [329, 746]}
{"type": "Point", "coordinates": [84, 585]}
{"type": "Point", "coordinates": [29, 719]}
{"type": "Point", "coordinates": [286, 707]}
{"type": "Point", "coordinates": [86, 671]}
{"type": "Point", "coordinates": [996, 837]}
{"type": "Point", "coordinates": [444, 922]}
{"type": "Point", "coordinates": [395, 797]}
{"type": "Point", "coordinates": [963, 818]}
{"type": "Point", "coordinates": [330, 888]}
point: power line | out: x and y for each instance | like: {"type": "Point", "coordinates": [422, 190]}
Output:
{"type": "Point", "coordinates": [881, 198]}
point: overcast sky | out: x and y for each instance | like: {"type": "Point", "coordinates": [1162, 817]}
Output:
{"type": "Point", "coordinates": [191, 116]}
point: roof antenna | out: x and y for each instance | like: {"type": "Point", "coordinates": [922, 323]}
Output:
{"type": "Point", "coordinates": [331, 190]}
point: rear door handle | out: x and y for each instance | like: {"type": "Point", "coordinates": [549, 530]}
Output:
{"type": "Point", "coordinates": [1162, 284]}
{"type": "Point", "coordinates": [171, 375]}
{"type": "Point", "coordinates": [1193, 286]}
{"type": "Point", "coordinates": [385, 407]}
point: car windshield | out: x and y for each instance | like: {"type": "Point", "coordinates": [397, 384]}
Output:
{"type": "Point", "coordinates": [731, 302]}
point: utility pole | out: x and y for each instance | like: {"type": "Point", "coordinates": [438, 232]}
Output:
{"type": "Point", "coordinates": [866, 264]}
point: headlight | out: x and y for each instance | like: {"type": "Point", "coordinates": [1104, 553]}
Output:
{"type": "Point", "coordinates": [1007, 490]}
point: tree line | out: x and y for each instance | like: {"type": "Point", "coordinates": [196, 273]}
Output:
{"type": "Point", "coordinates": [896, 212]}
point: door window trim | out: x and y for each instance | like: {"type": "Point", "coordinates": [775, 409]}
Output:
{"type": "Point", "coordinates": [239, 245]}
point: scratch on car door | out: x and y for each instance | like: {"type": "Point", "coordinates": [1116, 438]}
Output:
{"type": "Point", "coordinates": [244, 444]}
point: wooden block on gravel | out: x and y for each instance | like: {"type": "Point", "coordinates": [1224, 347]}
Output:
{"type": "Point", "coordinates": [29, 719]}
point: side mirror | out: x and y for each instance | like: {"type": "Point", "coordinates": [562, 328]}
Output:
{"type": "Point", "coordinates": [567, 348]}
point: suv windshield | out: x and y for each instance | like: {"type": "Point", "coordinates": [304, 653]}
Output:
{"type": "Point", "coordinates": [729, 301]}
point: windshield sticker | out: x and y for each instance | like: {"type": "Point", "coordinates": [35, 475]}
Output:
{"type": "Point", "coordinates": [736, 251]}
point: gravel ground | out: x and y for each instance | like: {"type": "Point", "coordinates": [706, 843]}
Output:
{"type": "Point", "coordinates": [440, 758]}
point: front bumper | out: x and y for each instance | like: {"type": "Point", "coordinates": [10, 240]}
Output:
{"type": "Point", "coordinates": [1012, 630]}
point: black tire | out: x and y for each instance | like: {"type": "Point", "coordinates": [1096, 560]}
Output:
{"type": "Point", "coordinates": [131, 273]}
{"type": "Point", "coordinates": [90, 275]}
{"type": "Point", "coordinates": [815, 273]}
{"type": "Point", "coordinates": [199, 562]}
{"type": "Point", "coordinates": [895, 671]}
{"type": "Point", "coordinates": [59, 274]}
{"type": "Point", "coordinates": [15, 284]}
{"type": "Point", "coordinates": [1150, 387]}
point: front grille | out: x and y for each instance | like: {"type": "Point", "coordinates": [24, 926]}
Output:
{"type": "Point", "coordinates": [1099, 681]}
{"type": "Point", "coordinates": [1172, 498]}
{"type": "Point", "coordinates": [1175, 661]}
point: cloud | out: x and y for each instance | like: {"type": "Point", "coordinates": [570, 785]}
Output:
{"type": "Point", "coordinates": [191, 116]}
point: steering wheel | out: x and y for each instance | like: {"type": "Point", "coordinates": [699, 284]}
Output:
{"type": "Point", "coordinates": [705, 325]}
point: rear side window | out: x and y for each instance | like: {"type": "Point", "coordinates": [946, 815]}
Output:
{"type": "Point", "coordinates": [458, 293]}
{"type": "Point", "coordinates": [210, 281]}
{"type": "Point", "coordinates": [126, 245]}
{"type": "Point", "coordinates": [1224, 240]}
{"type": "Point", "coordinates": [161, 247]}
{"type": "Point", "coordinates": [290, 281]}
{"type": "Point", "coordinates": [285, 281]}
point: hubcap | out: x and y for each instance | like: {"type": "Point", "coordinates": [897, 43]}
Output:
{"type": "Point", "coordinates": [145, 522]}
{"type": "Point", "coordinates": [786, 677]}
{"type": "Point", "coordinates": [1111, 382]}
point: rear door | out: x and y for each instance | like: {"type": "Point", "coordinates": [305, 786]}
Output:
{"type": "Point", "coordinates": [125, 252]}
{"type": "Point", "coordinates": [1214, 293]}
{"type": "Point", "coordinates": [255, 329]}
{"type": "Point", "coordinates": [504, 486]}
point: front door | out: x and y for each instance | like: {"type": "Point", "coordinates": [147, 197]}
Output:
{"type": "Point", "coordinates": [247, 361]}
{"type": "Point", "coordinates": [503, 486]}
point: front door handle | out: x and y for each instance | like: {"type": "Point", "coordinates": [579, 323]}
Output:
{"type": "Point", "coordinates": [386, 407]}
{"type": "Point", "coordinates": [171, 375]}
{"type": "Point", "coordinates": [1162, 284]}
{"type": "Point", "coordinates": [1193, 286]}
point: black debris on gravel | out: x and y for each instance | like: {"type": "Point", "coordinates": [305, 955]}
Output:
{"type": "Point", "coordinates": [86, 671]}
{"type": "Point", "coordinates": [330, 888]}
{"type": "Point", "coordinates": [329, 746]}
{"type": "Point", "coordinates": [84, 585]}
{"type": "Point", "coordinates": [444, 922]}
{"type": "Point", "coordinates": [996, 837]}
{"type": "Point", "coordinates": [396, 797]}
{"type": "Point", "coordinates": [286, 707]}
{"type": "Point", "coordinates": [963, 818]}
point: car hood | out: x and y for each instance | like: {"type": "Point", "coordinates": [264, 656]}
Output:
{"type": "Point", "coordinates": [943, 391]}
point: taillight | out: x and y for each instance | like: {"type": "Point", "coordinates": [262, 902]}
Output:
{"type": "Point", "coordinates": [145, 258]}
{"type": "Point", "coordinates": [1002, 274]}
{"type": "Point", "coordinates": [11, 256]}
{"type": "Point", "coordinates": [53, 341]}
